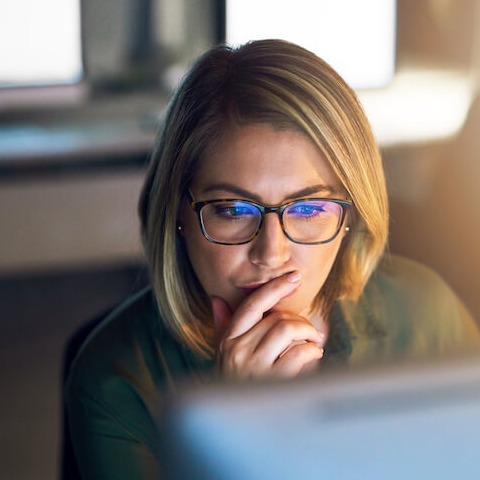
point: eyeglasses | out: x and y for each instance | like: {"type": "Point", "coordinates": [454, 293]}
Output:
{"type": "Point", "coordinates": [307, 221]}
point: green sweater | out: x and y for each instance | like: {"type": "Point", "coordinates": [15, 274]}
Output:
{"type": "Point", "coordinates": [118, 379]}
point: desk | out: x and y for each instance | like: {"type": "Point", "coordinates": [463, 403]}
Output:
{"type": "Point", "coordinates": [113, 131]}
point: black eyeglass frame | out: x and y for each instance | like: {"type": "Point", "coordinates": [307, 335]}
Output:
{"type": "Point", "coordinates": [264, 209]}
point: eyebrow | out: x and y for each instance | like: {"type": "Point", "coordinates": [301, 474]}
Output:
{"type": "Point", "coordinates": [304, 192]}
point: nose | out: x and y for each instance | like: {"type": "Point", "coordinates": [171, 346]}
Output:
{"type": "Point", "coordinates": [270, 248]}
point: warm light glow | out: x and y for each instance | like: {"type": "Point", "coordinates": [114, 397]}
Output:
{"type": "Point", "coordinates": [419, 106]}
{"type": "Point", "coordinates": [356, 37]}
{"type": "Point", "coordinates": [40, 42]}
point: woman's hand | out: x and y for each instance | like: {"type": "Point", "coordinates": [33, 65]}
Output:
{"type": "Point", "coordinates": [257, 340]}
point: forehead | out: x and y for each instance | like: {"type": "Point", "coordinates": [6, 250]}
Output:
{"type": "Point", "coordinates": [268, 162]}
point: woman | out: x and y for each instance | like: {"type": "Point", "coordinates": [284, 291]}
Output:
{"type": "Point", "coordinates": [264, 217]}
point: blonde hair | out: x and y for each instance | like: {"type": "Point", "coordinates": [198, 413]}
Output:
{"type": "Point", "coordinates": [285, 86]}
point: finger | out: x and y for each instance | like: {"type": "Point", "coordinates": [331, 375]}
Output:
{"type": "Point", "coordinates": [283, 334]}
{"type": "Point", "coordinates": [222, 316]}
{"type": "Point", "coordinates": [256, 350]}
{"type": "Point", "coordinates": [253, 308]}
{"type": "Point", "coordinates": [312, 366]}
{"type": "Point", "coordinates": [297, 359]}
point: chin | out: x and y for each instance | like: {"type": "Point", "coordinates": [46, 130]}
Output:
{"type": "Point", "coordinates": [291, 305]}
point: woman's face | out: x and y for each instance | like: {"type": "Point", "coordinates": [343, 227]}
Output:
{"type": "Point", "coordinates": [268, 166]}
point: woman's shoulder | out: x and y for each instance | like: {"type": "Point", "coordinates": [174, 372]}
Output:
{"type": "Point", "coordinates": [404, 273]}
{"type": "Point", "coordinates": [409, 309]}
{"type": "Point", "coordinates": [129, 323]}
{"type": "Point", "coordinates": [410, 285]}
{"type": "Point", "coordinates": [129, 351]}
{"type": "Point", "coordinates": [124, 368]}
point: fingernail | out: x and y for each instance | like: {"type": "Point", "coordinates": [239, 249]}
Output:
{"type": "Point", "coordinates": [294, 277]}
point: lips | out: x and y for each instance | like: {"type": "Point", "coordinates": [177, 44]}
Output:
{"type": "Point", "coordinates": [252, 286]}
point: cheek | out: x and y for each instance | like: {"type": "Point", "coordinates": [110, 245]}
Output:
{"type": "Point", "coordinates": [201, 258]}
{"type": "Point", "coordinates": [213, 264]}
{"type": "Point", "coordinates": [317, 264]}
{"type": "Point", "coordinates": [210, 266]}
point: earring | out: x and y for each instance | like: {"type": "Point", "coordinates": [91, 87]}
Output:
{"type": "Point", "coordinates": [180, 228]}
{"type": "Point", "coordinates": [347, 228]}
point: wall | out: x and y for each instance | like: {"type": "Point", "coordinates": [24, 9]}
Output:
{"type": "Point", "coordinates": [435, 208]}
{"type": "Point", "coordinates": [79, 221]}
{"type": "Point", "coordinates": [433, 187]}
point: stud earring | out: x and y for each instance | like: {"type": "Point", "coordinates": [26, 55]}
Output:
{"type": "Point", "coordinates": [347, 229]}
{"type": "Point", "coordinates": [180, 228]}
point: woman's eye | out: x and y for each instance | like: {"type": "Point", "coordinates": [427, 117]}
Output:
{"type": "Point", "coordinates": [234, 211]}
{"type": "Point", "coordinates": [306, 210]}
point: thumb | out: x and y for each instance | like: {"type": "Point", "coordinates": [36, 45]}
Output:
{"type": "Point", "coordinates": [222, 316]}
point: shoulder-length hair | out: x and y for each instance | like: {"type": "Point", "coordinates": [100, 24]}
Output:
{"type": "Point", "coordinates": [287, 87]}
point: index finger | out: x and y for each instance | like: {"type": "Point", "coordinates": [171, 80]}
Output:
{"type": "Point", "coordinates": [253, 308]}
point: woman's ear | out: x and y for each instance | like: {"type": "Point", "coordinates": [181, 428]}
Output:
{"type": "Point", "coordinates": [180, 217]}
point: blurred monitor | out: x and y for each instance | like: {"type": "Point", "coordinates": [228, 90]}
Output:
{"type": "Point", "coordinates": [41, 60]}
{"type": "Point", "coordinates": [419, 421]}
{"type": "Point", "coordinates": [358, 38]}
